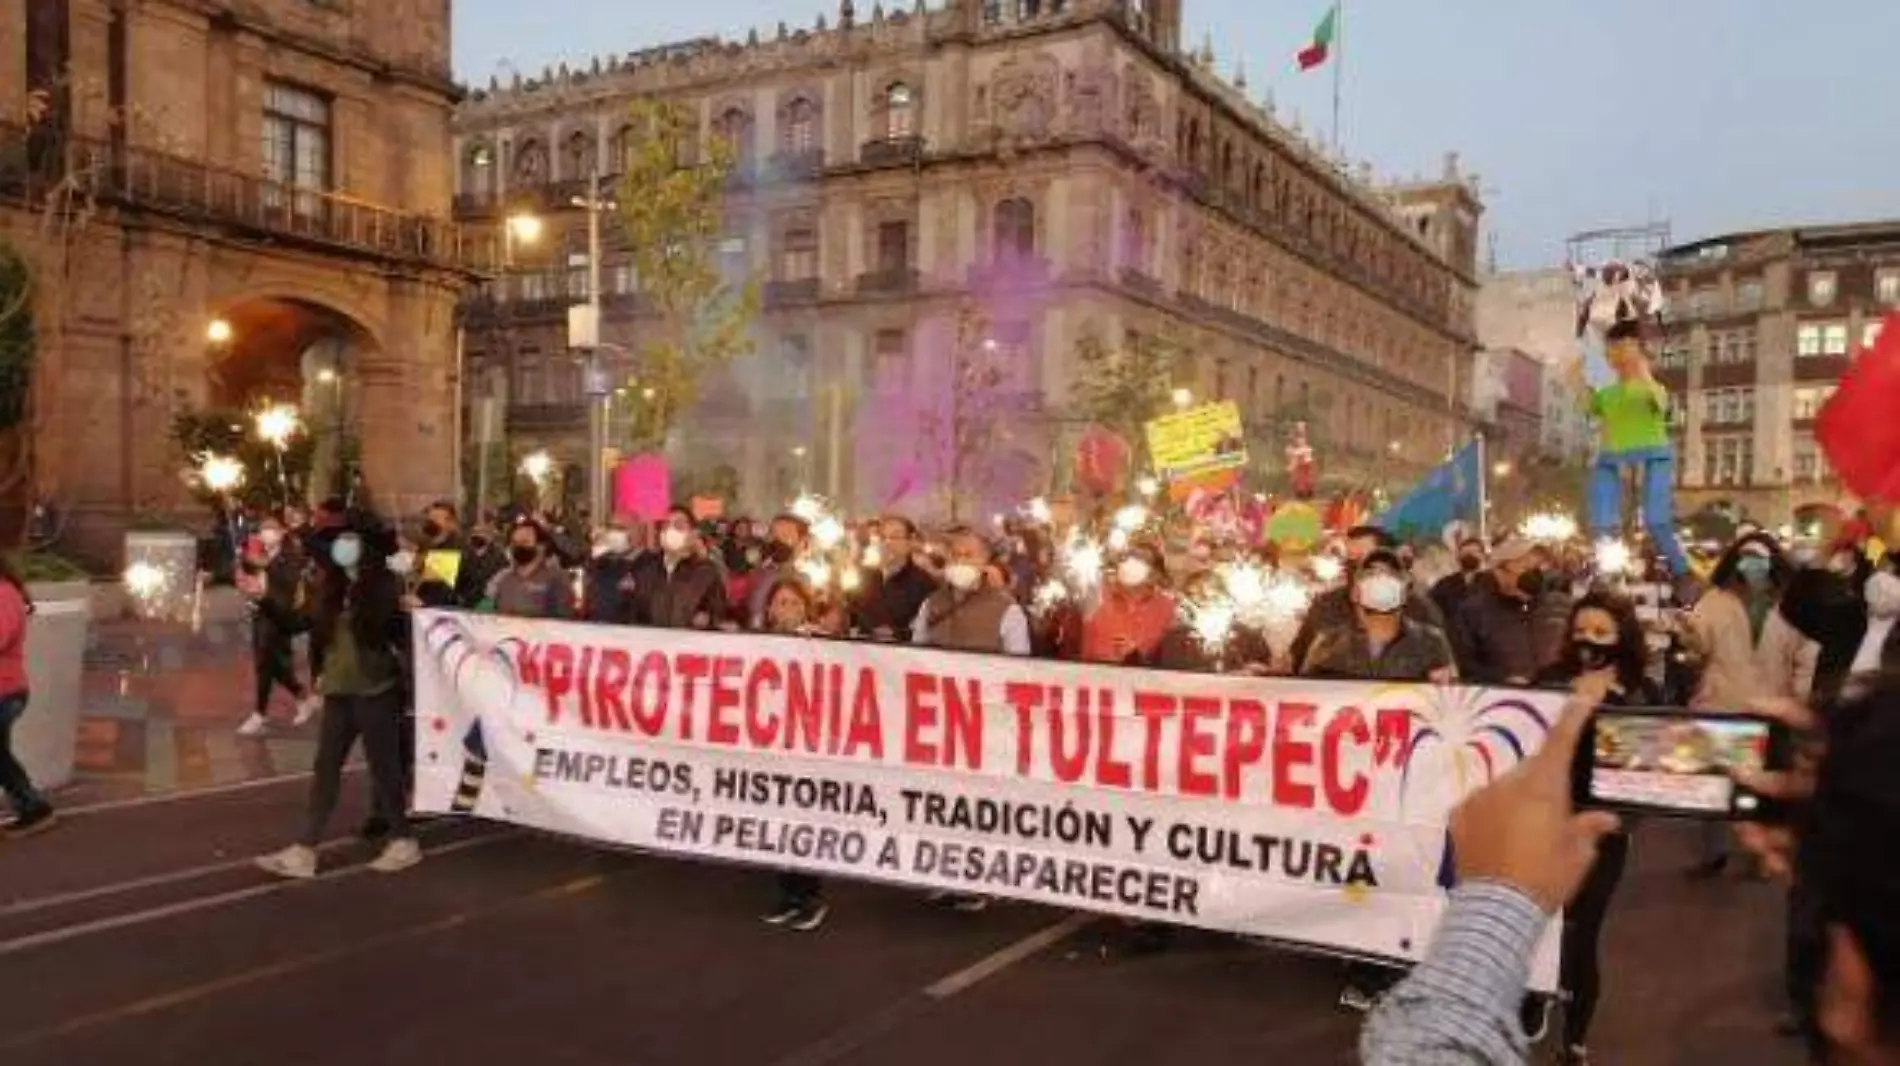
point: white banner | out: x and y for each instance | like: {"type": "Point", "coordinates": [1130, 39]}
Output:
{"type": "Point", "coordinates": [1307, 811]}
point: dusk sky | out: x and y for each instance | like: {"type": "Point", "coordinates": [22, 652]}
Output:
{"type": "Point", "coordinates": [1710, 114]}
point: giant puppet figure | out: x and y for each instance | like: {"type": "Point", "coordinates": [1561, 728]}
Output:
{"type": "Point", "coordinates": [1619, 311]}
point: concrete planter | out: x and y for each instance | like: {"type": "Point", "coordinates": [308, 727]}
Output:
{"type": "Point", "coordinates": [46, 736]}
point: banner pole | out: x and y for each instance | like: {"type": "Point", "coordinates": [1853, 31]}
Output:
{"type": "Point", "coordinates": [1484, 494]}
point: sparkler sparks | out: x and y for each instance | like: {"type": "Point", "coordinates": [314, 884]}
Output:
{"type": "Point", "coordinates": [808, 507]}
{"type": "Point", "coordinates": [873, 555]}
{"type": "Point", "coordinates": [1548, 526]}
{"type": "Point", "coordinates": [220, 473]}
{"type": "Point", "coordinates": [1131, 518]}
{"type": "Point", "coordinates": [1211, 621]}
{"type": "Point", "coordinates": [144, 580]}
{"type": "Point", "coordinates": [815, 571]}
{"type": "Point", "coordinates": [1082, 560]}
{"type": "Point", "coordinates": [278, 423]}
{"type": "Point", "coordinates": [827, 532]}
{"type": "Point", "coordinates": [1614, 557]}
{"type": "Point", "coordinates": [1327, 569]}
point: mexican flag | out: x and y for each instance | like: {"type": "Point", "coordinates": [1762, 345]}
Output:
{"type": "Point", "coordinates": [1321, 46]}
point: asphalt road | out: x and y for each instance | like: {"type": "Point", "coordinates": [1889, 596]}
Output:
{"type": "Point", "coordinates": [138, 933]}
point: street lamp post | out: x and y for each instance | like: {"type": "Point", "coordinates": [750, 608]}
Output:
{"type": "Point", "coordinates": [584, 333]}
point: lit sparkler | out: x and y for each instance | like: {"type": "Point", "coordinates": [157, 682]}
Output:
{"type": "Point", "coordinates": [808, 507]}
{"type": "Point", "coordinates": [1548, 526]}
{"type": "Point", "coordinates": [1327, 569]}
{"type": "Point", "coordinates": [1211, 621]}
{"type": "Point", "coordinates": [1131, 518]}
{"type": "Point", "coordinates": [220, 473]}
{"type": "Point", "coordinates": [815, 571]}
{"type": "Point", "coordinates": [1038, 511]}
{"type": "Point", "coordinates": [1117, 540]}
{"type": "Point", "coordinates": [873, 556]}
{"type": "Point", "coordinates": [827, 532]}
{"type": "Point", "coordinates": [278, 423]}
{"type": "Point", "coordinates": [1082, 559]}
{"type": "Point", "coordinates": [850, 580]}
{"type": "Point", "coordinates": [1147, 486]}
{"type": "Point", "coordinates": [1048, 596]}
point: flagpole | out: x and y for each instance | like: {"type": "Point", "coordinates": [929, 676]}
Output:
{"type": "Point", "coordinates": [1339, 61]}
{"type": "Point", "coordinates": [1484, 494]}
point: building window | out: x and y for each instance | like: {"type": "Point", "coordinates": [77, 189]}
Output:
{"type": "Point", "coordinates": [890, 362]}
{"type": "Point", "coordinates": [296, 144]}
{"type": "Point", "coordinates": [478, 170]}
{"type": "Point", "coordinates": [623, 279]}
{"type": "Point", "coordinates": [992, 12]}
{"type": "Point", "coordinates": [900, 111]}
{"type": "Point", "coordinates": [1748, 296]}
{"type": "Point", "coordinates": [1014, 233]}
{"type": "Point", "coordinates": [735, 128]}
{"type": "Point", "coordinates": [801, 127]}
{"type": "Point", "coordinates": [1822, 287]}
{"type": "Point", "coordinates": [893, 246]}
{"type": "Point", "coordinates": [1834, 338]}
{"type": "Point", "coordinates": [1703, 302]}
{"type": "Point", "coordinates": [578, 157]}
{"type": "Point", "coordinates": [1870, 334]}
{"type": "Point", "coordinates": [798, 254]}
{"type": "Point", "coordinates": [1887, 286]}
{"type": "Point", "coordinates": [1730, 460]}
{"type": "Point", "coordinates": [526, 387]}
{"type": "Point", "coordinates": [621, 147]}
{"type": "Point", "coordinates": [531, 163]}
{"type": "Point", "coordinates": [1807, 341]}
{"type": "Point", "coordinates": [1135, 242]}
{"type": "Point", "coordinates": [1809, 401]}
{"type": "Point", "coordinates": [1810, 463]}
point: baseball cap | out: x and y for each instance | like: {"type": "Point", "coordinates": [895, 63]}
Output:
{"type": "Point", "coordinates": [1511, 549]}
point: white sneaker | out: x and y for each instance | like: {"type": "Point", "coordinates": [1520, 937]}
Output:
{"type": "Point", "coordinates": [307, 708]}
{"type": "Point", "coordinates": [255, 726]}
{"type": "Point", "coordinates": [398, 855]}
{"type": "Point", "coordinates": [296, 862]}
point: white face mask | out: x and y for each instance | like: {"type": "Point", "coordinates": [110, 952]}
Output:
{"type": "Point", "coordinates": [402, 562]}
{"type": "Point", "coordinates": [673, 540]}
{"type": "Point", "coordinates": [963, 576]}
{"type": "Point", "coordinates": [1883, 594]}
{"type": "Point", "coordinates": [1381, 593]}
{"type": "Point", "coordinates": [617, 541]}
{"type": "Point", "coordinates": [1133, 572]}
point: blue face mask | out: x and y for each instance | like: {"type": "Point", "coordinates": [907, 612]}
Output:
{"type": "Point", "coordinates": [1754, 569]}
{"type": "Point", "coordinates": [346, 552]}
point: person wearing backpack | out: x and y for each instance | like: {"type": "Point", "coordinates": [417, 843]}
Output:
{"type": "Point", "coordinates": [31, 812]}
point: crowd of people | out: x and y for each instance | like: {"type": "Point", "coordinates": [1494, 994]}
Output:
{"type": "Point", "coordinates": [1799, 621]}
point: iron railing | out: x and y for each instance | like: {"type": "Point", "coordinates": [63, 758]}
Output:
{"type": "Point", "coordinates": [39, 163]}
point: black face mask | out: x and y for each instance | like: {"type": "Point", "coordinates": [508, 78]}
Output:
{"type": "Point", "coordinates": [479, 544]}
{"type": "Point", "coordinates": [431, 530]}
{"type": "Point", "coordinates": [1469, 563]}
{"type": "Point", "coordinates": [1531, 583]}
{"type": "Point", "coordinates": [523, 554]}
{"type": "Point", "coordinates": [1593, 656]}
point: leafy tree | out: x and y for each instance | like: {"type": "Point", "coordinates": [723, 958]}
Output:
{"type": "Point", "coordinates": [16, 338]}
{"type": "Point", "coordinates": [1122, 388]}
{"type": "Point", "coordinates": [672, 213]}
{"type": "Point", "coordinates": [967, 428]}
{"type": "Point", "coordinates": [266, 484]}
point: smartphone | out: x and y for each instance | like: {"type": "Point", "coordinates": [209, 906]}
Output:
{"type": "Point", "coordinates": [1678, 763]}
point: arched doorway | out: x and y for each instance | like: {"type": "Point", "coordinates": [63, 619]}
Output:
{"type": "Point", "coordinates": [272, 350]}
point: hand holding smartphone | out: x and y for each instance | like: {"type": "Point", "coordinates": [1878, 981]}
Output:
{"type": "Point", "coordinates": [1678, 763]}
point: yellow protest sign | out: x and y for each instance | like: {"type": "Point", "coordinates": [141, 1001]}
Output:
{"type": "Point", "coordinates": [1191, 444]}
{"type": "Point", "coordinates": [443, 566]}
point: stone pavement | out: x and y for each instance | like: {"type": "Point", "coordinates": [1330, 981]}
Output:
{"type": "Point", "coordinates": [162, 702]}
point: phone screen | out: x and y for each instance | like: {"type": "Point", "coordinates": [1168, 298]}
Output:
{"type": "Point", "coordinates": [1675, 762]}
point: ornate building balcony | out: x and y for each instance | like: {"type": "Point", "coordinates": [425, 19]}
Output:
{"type": "Point", "coordinates": [36, 163]}
{"type": "Point", "coordinates": [546, 417]}
{"type": "Point", "coordinates": [898, 282]}
{"type": "Point", "coordinates": [791, 293]}
{"type": "Point", "coordinates": [892, 151]}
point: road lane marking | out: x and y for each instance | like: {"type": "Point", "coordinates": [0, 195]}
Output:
{"type": "Point", "coordinates": [177, 795]}
{"type": "Point", "coordinates": [1003, 959]}
{"type": "Point", "coordinates": [843, 1043]}
{"type": "Point", "coordinates": [188, 994]}
{"type": "Point", "coordinates": [107, 924]}
{"type": "Point", "coordinates": [34, 904]}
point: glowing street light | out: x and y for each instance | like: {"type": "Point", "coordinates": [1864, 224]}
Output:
{"type": "Point", "coordinates": [1501, 468]}
{"type": "Point", "coordinates": [538, 466]}
{"type": "Point", "coordinates": [218, 331]}
{"type": "Point", "coordinates": [524, 228]}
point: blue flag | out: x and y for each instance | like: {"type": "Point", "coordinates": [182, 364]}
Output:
{"type": "Point", "coordinates": [1452, 491]}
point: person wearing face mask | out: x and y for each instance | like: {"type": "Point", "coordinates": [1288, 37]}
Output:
{"type": "Point", "coordinates": [1493, 636]}
{"type": "Point", "coordinates": [359, 608]}
{"type": "Point", "coordinates": [1380, 643]}
{"type": "Point", "coordinates": [534, 585]}
{"type": "Point", "coordinates": [677, 587]}
{"type": "Point", "coordinates": [895, 590]}
{"type": "Point", "coordinates": [608, 582]}
{"type": "Point", "coordinates": [1134, 615]}
{"type": "Point", "coordinates": [1449, 592]}
{"type": "Point", "coordinates": [790, 536]}
{"type": "Point", "coordinates": [1334, 608]}
{"type": "Point", "coordinates": [967, 614]}
{"type": "Point", "coordinates": [1606, 649]}
{"type": "Point", "coordinates": [1724, 631]}
{"type": "Point", "coordinates": [274, 578]}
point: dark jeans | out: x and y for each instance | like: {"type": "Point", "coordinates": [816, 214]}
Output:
{"type": "Point", "coordinates": [1580, 970]}
{"type": "Point", "coordinates": [799, 890]}
{"type": "Point", "coordinates": [1807, 958]}
{"type": "Point", "coordinates": [378, 720]}
{"type": "Point", "coordinates": [13, 780]}
{"type": "Point", "coordinates": [271, 661]}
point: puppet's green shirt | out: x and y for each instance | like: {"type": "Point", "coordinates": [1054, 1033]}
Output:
{"type": "Point", "coordinates": [1633, 415]}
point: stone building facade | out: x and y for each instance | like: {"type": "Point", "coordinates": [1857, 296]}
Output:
{"type": "Point", "coordinates": [1063, 167]}
{"type": "Point", "coordinates": [1761, 326]}
{"type": "Point", "coordinates": [226, 203]}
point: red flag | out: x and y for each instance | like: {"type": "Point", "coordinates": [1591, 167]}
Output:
{"type": "Point", "coordinates": [1857, 429]}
